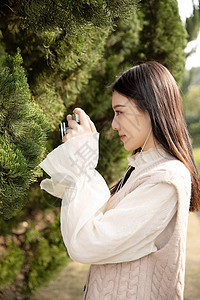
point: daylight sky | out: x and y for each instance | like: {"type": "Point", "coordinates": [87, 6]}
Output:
{"type": "Point", "coordinates": [185, 9]}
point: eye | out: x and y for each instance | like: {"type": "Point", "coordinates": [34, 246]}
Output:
{"type": "Point", "coordinates": [118, 112]}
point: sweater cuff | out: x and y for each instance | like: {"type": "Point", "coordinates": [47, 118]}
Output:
{"type": "Point", "coordinates": [69, 161]}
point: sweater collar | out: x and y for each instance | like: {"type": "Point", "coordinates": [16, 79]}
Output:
{"type": "Point", "coordinates": [148, 156]}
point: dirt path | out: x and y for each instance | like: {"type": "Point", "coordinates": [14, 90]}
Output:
{"type": "Point", "coordinates": [69, 285]}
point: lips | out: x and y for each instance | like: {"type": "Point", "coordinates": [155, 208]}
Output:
{"type": "Point", "coordinates": [121, 136]}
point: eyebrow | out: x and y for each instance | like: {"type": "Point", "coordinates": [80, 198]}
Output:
{"type": "Point", "coordinates": [118, 105]}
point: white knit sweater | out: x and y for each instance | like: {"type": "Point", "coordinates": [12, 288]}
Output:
{"type": "Point", "coordinates": [133, 238]}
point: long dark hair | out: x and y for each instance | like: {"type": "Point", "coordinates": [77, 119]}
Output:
{"type": "Point", "coordinates": [153, 89]}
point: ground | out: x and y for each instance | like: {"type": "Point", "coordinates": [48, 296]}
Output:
{"type": "Point", "coordinates": [192, 283]}
{"type": "Point", "coordinates": [70, 283]}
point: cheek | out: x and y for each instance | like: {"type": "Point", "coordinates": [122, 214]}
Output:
{"type": "Point", "coordinates": [143, 122]}
{"type": "Point", "coordinates": [126, 123]}
{"type": "Point", "coordinates": [136, 124]}
{"type": "Point", "coordinates": [139, 127]}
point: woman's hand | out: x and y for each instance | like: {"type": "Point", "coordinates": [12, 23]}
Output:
{"type": "Point", "coordinates": [85, 126]}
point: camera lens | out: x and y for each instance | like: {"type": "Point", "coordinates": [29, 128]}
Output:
{"type": "Point", "coordinates": [63, 126]}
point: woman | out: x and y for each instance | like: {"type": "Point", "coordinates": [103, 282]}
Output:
{"type": "Point", "coordinates": [134, 236]}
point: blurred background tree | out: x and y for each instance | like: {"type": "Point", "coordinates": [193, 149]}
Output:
{"type": "Point", "coordinates": [71, 53]}
{"type": "Point", "coordinates": [193, 23]}
{"type": "Point", "coordinates": [191, 100]}
{"type": "Point", "coordinates": [190, 86]}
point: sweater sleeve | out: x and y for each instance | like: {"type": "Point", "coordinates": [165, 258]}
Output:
{"type": "Point", "coordinates": [73, 159]}
{"type": "Point", "coordinates": [122, 234]}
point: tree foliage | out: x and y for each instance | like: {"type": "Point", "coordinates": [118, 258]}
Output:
{"type": "Point", "coordinates": [191, 100]}
{"type": "Point", "coordinates": [163, 36]}
{"type": "Point", "coordinates": [71, 16]}
{"type": "Point", "coordinates": [23, 132]}
{"type": "Point", "coordinates": [192, 24]}
{"type": "Point", "coordinates": [10, 263]}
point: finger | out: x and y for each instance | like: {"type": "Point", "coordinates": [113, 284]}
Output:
{"type": "Point", "coordinates": [64, 139]}
{"type": "Point", "coordinates": [69, 131]}
{"type": "Point", "coordinates": [69, 117]}
{"type": "Point", "coordinates": [73, 124]}
{"type": "Point", "coordinates": [67, 135]}
{"type": "Point", "coordinates": [92, 126]}
{"type": "Point", "coordinates": [82, 116]}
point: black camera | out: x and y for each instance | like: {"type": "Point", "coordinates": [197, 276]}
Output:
{"type": "Point", "coordinates": [63, 126]}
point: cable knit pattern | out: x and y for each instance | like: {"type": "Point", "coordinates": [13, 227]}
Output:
{"type": "Point", "coordinates": [114, 281]}
{"type": "Point", "coordinates": [159, 275]}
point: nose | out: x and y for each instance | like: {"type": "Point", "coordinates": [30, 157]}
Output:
{"type": "Point", "coordinates": [115, 124]}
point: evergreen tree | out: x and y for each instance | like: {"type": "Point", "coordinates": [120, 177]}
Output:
{"type": "Point", "coordinates": [61, 42]}
{"type": "Point", "coordinates": [71, 16]}
{"type": "Point", "coordinates": [58, 61]}
{"type": "Point", "coordinates": [192, 24]}
{"type": "Point", "coordinates": [22, 137]}
{"type": "Point", "coordinates": [163, 36]}
{"type": "Point", "coordinates": [191, 100]}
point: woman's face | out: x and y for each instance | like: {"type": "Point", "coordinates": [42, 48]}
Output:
{"type": "Point", "coordinates": [132, 124]}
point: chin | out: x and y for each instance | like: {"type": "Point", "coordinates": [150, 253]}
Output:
{"type": "Point", "coordinates": [131, 147]}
